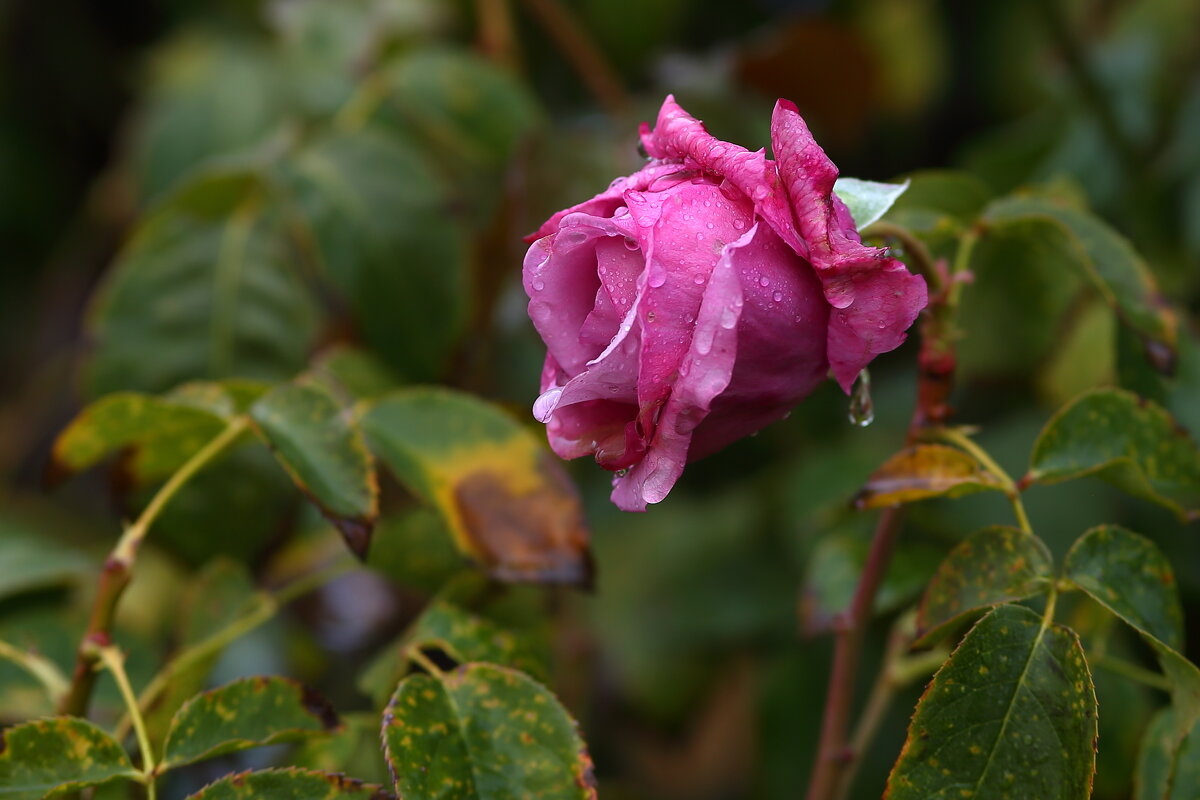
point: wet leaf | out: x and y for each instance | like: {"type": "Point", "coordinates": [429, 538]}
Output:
{"type": "Point", "coordinates": [250, 712]}
{"type": "Point", "coordinates": [205, 288]}
{"type": "Point", "coordinates": [324, 451]}
{"type": "Point", "coordinates": [506, 502]}
{"type": "Point", "coordinates": [1104, 257]}
{"type": "Point", "coordinates": [1168, 769]}
{"type": "Point", "coordinates": [377, 221]}
{"type": "Point", "coordinates": [1011, 713]}
{"type": "Point", "coordinates": [1127, 441]}
{"type": "Point", "coordinates": [925, 471]}
{"type": "Point", "coordinates": [867, 201]}
{"type": "Point", "coordinates": [483, 732]}
{"type": "Point", "coordinates": [58, 754]}
{"type": "Point", "coordinates": [991, 566]}
{"type": "Point", "coordinates": [459, 634]}
{"type": "Point", "coordinates": [162, 434]}
{"type": "Point", "coordinates": [290, 784]}
{"type": "Point", "coordinates": [1127, 574]}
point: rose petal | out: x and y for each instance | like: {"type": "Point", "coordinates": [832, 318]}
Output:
{"type": "Point", "coordinates": [703, 374]}
{"type": "Point", "coordinates": [678, 135]}
{"type": "Point", "coordinates": [874, 297]}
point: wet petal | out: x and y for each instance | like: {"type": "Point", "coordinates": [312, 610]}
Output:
{"type": "Point", "coordinates": [874, 297]}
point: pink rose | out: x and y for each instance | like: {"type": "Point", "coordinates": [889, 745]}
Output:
{"type": "Point", "coordinates": [699, 299]}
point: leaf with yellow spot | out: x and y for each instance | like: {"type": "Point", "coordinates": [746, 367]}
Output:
{"type": "Point", "coordinates": [1127, 441]}
{"type": "Point", "coordinates": [322, 448]}
{"type": "Point", "coordinates": [250, 712]}
{"type": "Point", "coordinates": [992, 566]}
{"type": "Point", "coordinates": [507, 504]}
{"type": "Point", "coordinates": [1127, 574]}
{"type": "Point", "coordinates": [483, 732]}
{"type": "Point", "coordinates": [56, 755]}
{"type": "Point", "coordinates": [1012, 713]}
{"type": "Point", "coordinates": [925, 471]}
{"type": "Point", "coordinates": [290, 784]}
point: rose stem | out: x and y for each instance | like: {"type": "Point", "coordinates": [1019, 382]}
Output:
{"type": "Point", "coordinates": [935, 374]}
{"type": "Point", "coordinates": [118, 570]}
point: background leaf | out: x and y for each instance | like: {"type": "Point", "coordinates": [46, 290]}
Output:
{"type": "Point", "coordinates": [1125, 440]}
{"type": "Point", "coordinates": [867, 201]}
{"type": "Point", "coordinates": [58, 754]}
{"type": "Point", "coordinates": [246, 713]}
{"type": "Point", "coordinates": [324, 451]}
{"type": "Point", "coordinates": [289, 784]}
{"type": "Point", "coordinates": [1168, 769]}
{"type": "Point", "coordinates": [1011, 712]}
{"type": "Point", "coordinates": [487, 733]}
{"type": "Point", "coordinates": [507, 504]}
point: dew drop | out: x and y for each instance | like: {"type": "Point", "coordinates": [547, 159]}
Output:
{"type": "Point", "coordinates": [710, 226]}
{"type": "Point", "coordinates": [729, 317]}
{"type": "Point", "coordinates": [862, 410]}
{"type": "Point", "coordinates": [630, 244]}
{"type": "Point", "coordinates": [698, 279]}
{"type": "Point", "coordinates": [656, 278]}
{"type": "Point", "coordinates": [650, 316]}
{"type": "Point", "coordinates": [777, 297]}
{"type": "Point", "coordinates": [737, 223]}
{"type": "Point", "coordinates": [764, 281]}
{"type": "Point", "coordinates": [538, 286]}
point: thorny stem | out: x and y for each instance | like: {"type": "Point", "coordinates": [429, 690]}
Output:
{"type": "Point", "coordinates": [118, 569]}
{"type": "Point", "coordinates": [936, 364]}
{"type": "Point", "coordinates": [114, 662]}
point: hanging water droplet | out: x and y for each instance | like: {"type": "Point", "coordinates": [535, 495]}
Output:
{"type": "Point", "coordinates": [862, 410]}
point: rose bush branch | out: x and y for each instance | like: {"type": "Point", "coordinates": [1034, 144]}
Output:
{"type": "Point", "coordinates": [118, 569]}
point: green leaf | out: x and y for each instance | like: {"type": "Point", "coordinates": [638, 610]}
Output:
{"type": "Point", "coordinates": [250, 712]}
{"type": "Point", "coordinates": [925, 471]}
{"type": "Point", "coordinates": [1168, 769]}
{"type": "Point", "coordinates": [378, 221]}
{"type": "Point", "coordinates": [991, 566]}
{"type": "Point", "coordinates": [204, 289]}
{"type": "Point", "coordinates": [1127, 574]}
{"type": "Point", "coordinates": [348, 373]}
{"type": "Point", "coordinates": [162, 434]}
{"type": "Point", "coordinates": [939, 201]}
{"type": "Point", "coordinates": [1011, 713]}
{"type": "Point", "coordinates": [1104, 257]}
{"type": "Point", "coordinates": [506, 502]}
{"type": "Point", "coordinates": [867, 201]}
{"type": "Point", "coordinates": [33, 561]}
{"type": "Point", "coordinates": [289, 784]}
{"type": "Point", "coordinates": [58, 754]}
{"type": "Point", "coordinates": [483, 732]}
{"type": "Point", "coordinates": [354, 750]}
{"type": "Point", "coordinates": [461, 635]}
{"type": "Point", "coordinates": [1128, 442]}
{"type": "Point", "coordinates": [416, 549]}
{"type": "Point", "coordinates": [321, 447]}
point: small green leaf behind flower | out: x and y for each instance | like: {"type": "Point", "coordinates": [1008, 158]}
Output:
{"type": "Point", "coordinates": [1127, 441]}
{"type": "Point", "coordinates": [1011, 713]}
{"type": "Point", "coordinates": [250, 712]}
{"type": "Point", "coordinates": [995, 565]}
{"type": "Point", "coordinates": [483, 732]}
{"type": "Point", "coordinates": [867, 201]}
{"type": "Point", "coordinates": [58, 754]}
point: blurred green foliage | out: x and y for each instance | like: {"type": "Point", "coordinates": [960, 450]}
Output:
{"type": "Point", "coordinates": [200, 191]}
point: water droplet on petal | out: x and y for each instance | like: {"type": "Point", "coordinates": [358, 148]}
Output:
{"type": "Point", "coordinates": [650, 316]}
{"type": "Point", "coordinates": [862, 410]}
{"type": "Point", "coordinates": [764, 281]}
{"type": "Point", "coordinates": [737, 223]}
{"type": "Point", "coordinates": [538, 286]}
{"type": "Point", "coordinates": [656, 278]}
{"type": "Point", "coordinates": [630, 244]}
{"type": "Point", "coordinates": [777, 297]}
{"type": "Point", "coordinates": [698, 279]}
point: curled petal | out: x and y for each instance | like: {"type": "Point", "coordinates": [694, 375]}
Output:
{"type": "Point", "coordinates": [874, 298]}
{"type": "Point", "coordinates": [704, 373]}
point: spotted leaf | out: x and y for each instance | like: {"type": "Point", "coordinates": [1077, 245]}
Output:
{"type": "Point", "coordinates": [1130, 442]}
{"type": "Point", "coordinates": [1168, 768]}
{"type": "Point", "coordinates": [246, 713]}
{"type": "Point", "coordinates": [58, 754]}
{"type": "Point", "coordinates": [507, 504]}
{"type": "Point", "coordinates": [1012, 713]}
{"type": "Point", "coordinates": [1129, 576]}
{"type": "Point", "coordinates": [483, 732]}
{"type": "Point", "coordinates": [290, 784]}
{"type": "Point", "coordinates": [991, 566]}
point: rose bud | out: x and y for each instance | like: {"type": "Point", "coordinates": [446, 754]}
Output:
{"type": "Point", "coordinates": [697, 300]}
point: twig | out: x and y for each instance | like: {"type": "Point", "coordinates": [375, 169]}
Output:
{"type": "Point", "coordinates": [114, 662]}
{"type": "Point", "coordinates": [118, 569]}
{"type": "Point", "coordinates": [43, 669]}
